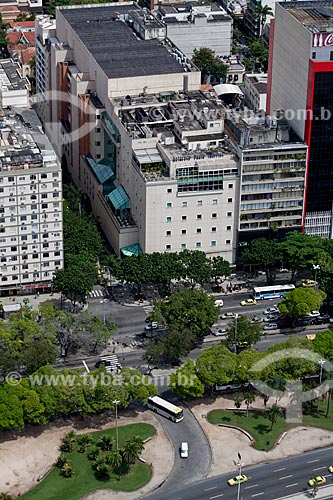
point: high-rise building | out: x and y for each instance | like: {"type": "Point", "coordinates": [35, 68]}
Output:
{"type": "Point", "coordinates": [300, 83]}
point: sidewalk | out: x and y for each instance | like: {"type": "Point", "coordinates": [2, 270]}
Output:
{"type": "Point", "coordinates": [324, 492]}
{"type": "Point", "coordinates": [34, 300]}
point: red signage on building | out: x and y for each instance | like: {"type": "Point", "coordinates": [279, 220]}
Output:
{"type": "Point", "coordinates": [322, 40]}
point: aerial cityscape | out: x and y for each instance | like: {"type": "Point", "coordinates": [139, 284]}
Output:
{"type": "Point", "coordinates": [166, 249]}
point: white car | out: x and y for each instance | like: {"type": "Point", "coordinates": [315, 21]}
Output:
{"type": "Point", "coordinates": [272, 310]}
{"type": "Point", "coordinates": [313, 314]}
{"type": "Point", "coordinates": [218, 303]}
{"type": "Point", "coordinates": [271, 326]}
{"type": "Point", "coordinates": [228, 315]}
{"type": "Point", "coordinates": [151, 326]}
{"type": "Point", "coordinates": [220, 332]}
{"type": "Point", "coordinates": [184, 450]}
{"type": "Point", "coordinates": [270, 318]}
{"type": "Point", "coordinates": [256, 319]}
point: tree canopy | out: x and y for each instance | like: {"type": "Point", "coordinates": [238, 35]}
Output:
{"type": "Point", "coordinates": [301, 301]}
{"type": "Point", "coordinates": [209, 64]}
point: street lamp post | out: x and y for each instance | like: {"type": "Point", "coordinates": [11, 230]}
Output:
{"type": "Point", "coordinates": [235, 339]}
{"type": "Point", "coordinates": [316, 268]}
{"type": "Point", "coordinates": [321, 362]}
{"type": "Point", "coordinates": [239, 465]}
{"type": "Point", "coordinates": [116, 403]}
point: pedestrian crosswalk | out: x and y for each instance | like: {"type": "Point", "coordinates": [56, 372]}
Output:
{"type": "Point", "coordinates": [148, 309]}
{"type": "Point", "coordinates": [96, 293]}
{"type": "Point", "coordinates": [111, 363]}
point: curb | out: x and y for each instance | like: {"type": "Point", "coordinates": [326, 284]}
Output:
{"type": "Point", "coordinates": [247, 434]}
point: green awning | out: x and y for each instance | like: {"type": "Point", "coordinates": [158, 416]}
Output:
{"type": "Point", "coordinates": [103, 171]}
{"type": "Point", "coordinates": [119, 199]}
{"type": "Point", "coordinates": [131, 250]}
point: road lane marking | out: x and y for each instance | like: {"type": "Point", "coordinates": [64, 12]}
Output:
{"type": "Point", "coordinates": [252, 486]}
{"type": "Point", "coordinates": [257, 494]}
{"type": "Point", "coordinates": [278, 470]}
{"type": "Point", "coordinates": [285, 477]}
{"type": "Point", "coordinates": [320, 468]}
{"type": "Point", "coordinates": [216, 496]}
{"type": "Point", "coordinates": [290, 485]}
{"type": "Point", "coordinates": [313, 461]}
{"type": "Point", "coordinates": [212, 488]}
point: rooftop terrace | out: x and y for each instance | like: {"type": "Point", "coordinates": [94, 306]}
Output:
{"type": "Point", "coordinates": [316, 16]}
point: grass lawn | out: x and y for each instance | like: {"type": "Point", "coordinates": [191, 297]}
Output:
{"type": "Point", "coordinates": [56, 487]}
{"type": "Point", "coordinates": [318, 419]}
{"type": "Point", "coordinates": [256, 424]}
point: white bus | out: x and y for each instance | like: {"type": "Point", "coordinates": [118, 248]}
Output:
{"type": "Point", "coordinates": [271, 292]}
{"type": "Point", "coordinates": [165, 408]}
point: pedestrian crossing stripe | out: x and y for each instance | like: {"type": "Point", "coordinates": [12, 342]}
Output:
{"type": "Point", "coordinates": [96, 293]}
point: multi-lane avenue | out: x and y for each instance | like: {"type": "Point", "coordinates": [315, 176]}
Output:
{"type": "Point", "coordinates": [267, 481]}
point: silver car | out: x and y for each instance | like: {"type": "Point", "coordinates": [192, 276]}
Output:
{"type": "Point", "coordinates": [271, 326]}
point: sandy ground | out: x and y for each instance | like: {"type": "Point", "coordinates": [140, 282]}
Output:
{"type": "Point", "coordinates": [25, 457]}
{"type": "Point", "coordinates": [226, 443]}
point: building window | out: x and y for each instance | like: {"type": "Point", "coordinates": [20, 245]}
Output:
{"type": "Point", "coordinates": [213, 229]}
{"type": "Point", "coordinates": [198, 244]}
{"type": "Point", "coordinates": [10, 179]}
{"type": "Point", "coordinates": [167, 233]}
{"type": "Point", "coordinates": [98, 143]}
{"type": "Point", "coordinates": [184, 203]}
{"type": "Point", "coordinates": [44, 205]}
{"type": "Point", "coordinates": [214, 216]}
{"type": "Point", "coordinates": [183, 231]}
{"type": "Point", "coordinates": [229, 214]}
{"type": "Point", "coordinates": [97, 130]}
{"type": "Point", "coordinates": [184, 217]}
{"type": "Point", "coordinates": [198, 230]}
{"type": "Point", "coordinates": [331, 56]}
{"type": "Point", "coordinates": [183, 246]}
{"type": "Point", "coordinates": [228, 228]}
{"type": "Point", "coordinates": [44, 176]}
{"type": "Point", "coordinates": [199, 216]}
{"type": "Point", "coordinates": [230, 186]}
{"type": "Point", "coordinates": [199, 203]}
{"type": "Point", "coordinates": [213, 243]}
{"type": "Point", "coordinates": [169, 219]}
{"type": "Point", "coordinates": [214, 202]}
{"type": "Point", "coordinates": [46, 254]}
{"type": "Point", "coordinates": [167, 247]}
{"type": "Point", "coordinates": [169, 204]}
{"type": "Point", "coordinates": [314, 55]}
{"type": "Point", "coordinates": [227, 242]}
{"type": "Point", "coordinates": [169, 190]}
{"type": "Point", "coordinates": [229, 200]}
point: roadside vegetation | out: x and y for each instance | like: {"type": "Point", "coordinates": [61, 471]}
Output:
{"type": "Point", "coordinates": [91, 461]}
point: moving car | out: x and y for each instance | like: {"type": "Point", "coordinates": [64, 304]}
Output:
{"type": "Point", "coordinates": [237, 480]}
{"type": "Point", "coordinates": [228, 315]}
{"type": "Point", "coordinates": [317, 481]}
{"type": "Point", "coordinates": [151, 326]}
{"type": "Point", "coordinates": [184, 450]}
{"type": "Point", "coordinates": [218, 303]}
{"type": "Point", "coordinates": [220, 332]}
{"type": "Point", "coordinates": [309, 283]}
{"type": "Point", "coordinates": [330, 469]}
{"type": "Point", "coordinates": [271, 326]}
{"type": "Point", "coordinates": [272, 310]}
{"type": "Point", "coordinates": [248, 302]}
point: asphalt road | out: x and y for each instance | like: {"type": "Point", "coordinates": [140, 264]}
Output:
{"type": "Point", "coordinates": [272, 480]}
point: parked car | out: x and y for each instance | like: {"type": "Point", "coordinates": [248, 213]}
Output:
{"type": "Point", "coordinates": [256, 319]}
{"type": "Point", "coordinates": [218, 303]}
{"type": "Point", "coordinates": [228, 315]}
{"type": "Point", "coordinates": [271, 326]}
{"type": "Point", "coordinates": [304, 321]}
{"type": "Point", "coordinates": [313, 314]}
{"type": "Point", "coordinates": [270, 318]}
{"type": "Point", "coordinates": [309, 283]}
{"type": "Point", "coordinates": [184, 450]}
{"type": "Point", "coordinates": [272, 310]}
{"type": "Point", "coordinates": [318, 321]}
{"type": "Point", "coordinates": [220, 332]}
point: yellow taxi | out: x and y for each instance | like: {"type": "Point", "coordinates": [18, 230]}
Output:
{"type": "Point", "coordinates": [237, 480]}
{"type": "Point", "coordinates": [308, 283]}
{"type": "Point", "coordinates": [248, 302]}
{"type": "Point", "coordinates": [330, 469]}
{"type": "Point", "coordinates": [317, 481]}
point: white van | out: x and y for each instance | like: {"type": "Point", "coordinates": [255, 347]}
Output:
{"type": "Point", "coordinates": [218, 303]}
{"type": "Point", "coordinates": [184, 450]}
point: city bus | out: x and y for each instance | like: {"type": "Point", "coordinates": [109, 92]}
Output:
{"type": "Point", "coordinates": [271, 292]}
{"type": "Point", "coordinates": [165, 409]}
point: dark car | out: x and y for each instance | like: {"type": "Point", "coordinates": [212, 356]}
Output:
{"type": "Point", "coordinates": [303, 321]}
{"type": "Point", "coordinates": [102, 362]}
{"type": "Point", "coordinates": [317, 321]}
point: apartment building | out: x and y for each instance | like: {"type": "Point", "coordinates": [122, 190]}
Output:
{"type": "Point", "coordinates": [143, 142]}
{"type": "Point", "coordinates": [255, 91]}
{"type": "Point", "coordinates": [273, 166]}
{"type": "Point", "coordinates": [14, 89]}
{"type": "Point", "coordinates": [300, 82]}
{"type": "Point", "coordinates": [31, 248]}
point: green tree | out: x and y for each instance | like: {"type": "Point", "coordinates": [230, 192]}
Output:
{"type": "Point", "coordinates": [238, 403]}
{"type": "Point", "coordinates": [114, 459]}
{"type": "Point", "coordinates": [301, 301]}
{"type": "Point", "coordinates": [249, 65]}
{"type": "Point", "coordinates": [75, 281]}
{"type": "Point", "coordinates": [11, 408]}
{"type": "Point", "coordinates": [249, 397]}
{"type": "Point", "coordinates": [67, 470]}
{"type": "Point", "coordinates": [196, 267]}
{"type": "Point", "coordinates": [177, 344]}
{"type": "Point", "coordinates": [81, 236]}
{"type": "Point", "coordinates": [101, 469]}
{"type": "Point", "coordinates": [273, 414]}
{"type": "Point", "coordinates": [137, 270]}
{"type": "Point", "coordinates": [105, 443]}
{"type": "Point", "coordinates": [185, 383]}
{"type": "Point", "coordinates": [323, 344]}
{"type": "Point", "coordinates": [242, 331]}
{"type": "Point", "coordinates": [93, 454]}
{"type": "Point", "coordinates": [206, 60]}
{"type": "Point", "coordinates": [219, 268]}
{"type": "Point", "coordinates": [264, 253]}
{"type": "Point", "coordinates": [131, 451]}
{"type": "Point", "coordinates": [83, 442]}
{"type": "Point", "coordinates": [259, 51]}
{"type": "Point", "coordinates": [191, 310]}
{"type": "Point", "coordinates": [154, 355]}
{"type": "Point", "coordinates": [300, 250]}
{"type": "Point", "coordinates": [37, 353]}
{"type": "Point", "coordinates": [216, 366]}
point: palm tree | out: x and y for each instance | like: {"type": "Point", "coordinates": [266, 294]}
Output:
{"type": "Point", "coordinates": [238, 403]}
{"type": "Point", "coordinates": [278, 383]}
{"type": "Point", "coordinates": [68, 442]}
{"type": "Point", "coordinates": [273, 413]}
{"type": "Point", "coordinates": [83, 442]}
{"type": "Point", "coordinates": [114, 459]}
{"type": "Point", "coordinates": [101, 469]}
{"type": "Point", "coordinates": [249, 398]}
{"type": "Point", "coordinates": [130, 452]}
{"type": "Point", "coordinates": [328, 404]}
{"type": "Point", "coordinates": [105, 443]}
{"type": "Point", "coordinates": [138, 443]}
{"type": "Point", "coordinates": [262, 11]}
{"type": "Point", "coordinates": [265, 397]}
{"type": "Point", "coordinates": [93, 454]}
{"type": "Point", "coordinates": [67, 470]}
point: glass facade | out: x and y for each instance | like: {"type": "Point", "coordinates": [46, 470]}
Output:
{"type": "Point", "coordinates": [320, 175]}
